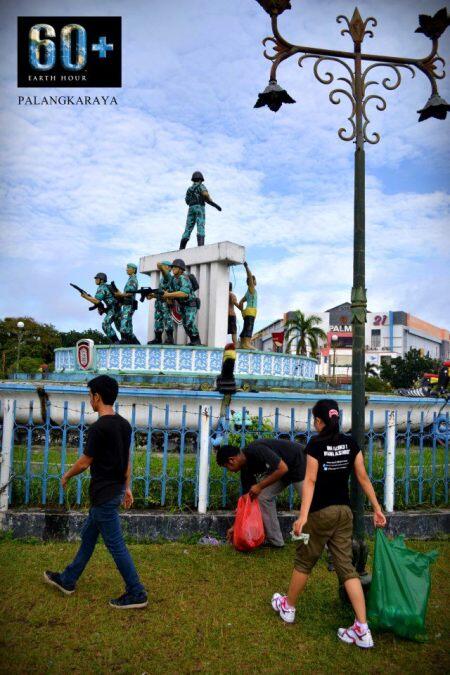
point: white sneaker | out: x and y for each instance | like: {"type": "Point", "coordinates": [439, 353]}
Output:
{"type": "Point", "coordinates": [352, 636]}
{"type": "Point", "coordinates": [279, 604]}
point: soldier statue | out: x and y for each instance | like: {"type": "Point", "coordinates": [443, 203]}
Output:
{"type": "Point", "coordinates": [184, 293]}
{"type": "Point", "coordinates": [104, 298]}
{"type": "Point", "coordinates": [249, 311]}
{"type": "Point", "coordinates": [196, 197]}
{"type": "Point", "coordinates": [128, 305]}
{"type": "Point", "coordinates": [163, 315]}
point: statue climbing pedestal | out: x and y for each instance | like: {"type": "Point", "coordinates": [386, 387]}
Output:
{"type": "Point", "coordinates": [210, 264]}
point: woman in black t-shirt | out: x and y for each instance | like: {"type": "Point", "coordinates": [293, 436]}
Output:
{"type": "Point", "coordinates": [326, 516]}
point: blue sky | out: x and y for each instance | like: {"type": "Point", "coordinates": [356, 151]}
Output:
{"type": "Point", "coordinates": [88, 189]}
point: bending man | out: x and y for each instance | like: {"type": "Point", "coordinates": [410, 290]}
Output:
{"type": "Point", "coordinates": [267, 467]}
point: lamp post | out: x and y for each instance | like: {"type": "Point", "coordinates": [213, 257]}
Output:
{"type": "Point", "coordinates": [355, 86]}
{"type": "Point", "coordinates": [334, 339]}
{"type": "Point", "coordinates": [20, 325]}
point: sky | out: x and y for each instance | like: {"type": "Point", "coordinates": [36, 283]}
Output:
{"type": "Point", "coordinates": [88, 189]}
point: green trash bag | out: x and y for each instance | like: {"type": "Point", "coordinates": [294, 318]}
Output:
{"type": "Point", "coordinates": [398, 595]}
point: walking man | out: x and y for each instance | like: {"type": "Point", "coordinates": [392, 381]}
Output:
{"type": "Point", "coordinates": [184, 293]}
{"type": "Point", "coordinates": [105, 297]}
{"type": "Point", "coordinates": [249, 312]}
{"type": "Point", "coordinates": [107, 454]}
{"type": "Point", "coordinates": [196, 197]}
{"type": "Point", "coordinates": [267, 467]}
{"type": "Point", "coordinates": [163, 315]}
{"type": "Point", "coordinates": [128, 306]}
{"type": "Point", "coordinates": [232, 325]}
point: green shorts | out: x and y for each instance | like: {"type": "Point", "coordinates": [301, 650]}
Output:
{"type": "Point", "coordinates": [332, 525]}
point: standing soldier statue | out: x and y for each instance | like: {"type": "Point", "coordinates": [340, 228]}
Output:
{"type": "Point", "coordinates": [184, 293]}
{"type": "Point", "coordinates": [128, 306]}
{"type": "Point", "coordinates": [163, 315]}
{"type": "Point", "coordinates": [196, 197]}
{"type": "Point", "coordinates": [250, 310]}
{"type": "Point", "coordinates": [105, 298]}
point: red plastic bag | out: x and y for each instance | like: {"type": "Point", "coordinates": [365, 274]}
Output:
{"type": "Point", "coordinates": [248, 526]}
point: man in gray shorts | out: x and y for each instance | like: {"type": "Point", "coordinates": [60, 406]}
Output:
{"type": "Point", "coordinates": [267, 467]}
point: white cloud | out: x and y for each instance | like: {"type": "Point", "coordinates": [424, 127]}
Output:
{"type": "Point", "coordinates": [88, 189]}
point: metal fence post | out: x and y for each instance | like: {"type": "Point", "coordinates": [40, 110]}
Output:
{"type": "Point", "coordinates": [203, 468]}
{"type": "Point", "coordinates": [7, 441]}
{"type": "Point", "coordinates": [389, 481]}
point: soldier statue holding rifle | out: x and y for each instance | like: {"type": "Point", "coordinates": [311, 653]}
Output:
{"type": "Point", "coordinates": [163, 315]}
{"type": "Point", "coordinates": [128, 306]}
{"type": "Point", "coordinates": [106, 304]}
{"type": "Point", "coordinates": [196, 197]}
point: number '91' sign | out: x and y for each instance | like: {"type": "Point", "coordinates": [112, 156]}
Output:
{"type": "Point", "coordinates": [69, 51]}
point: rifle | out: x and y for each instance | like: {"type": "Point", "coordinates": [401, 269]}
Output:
{"type": "Point", "coordinates": [100, 307]}
{"type": "Point", "coordinates": [216, 206]}
{"type": "Point", "coordinates": [145, 291]}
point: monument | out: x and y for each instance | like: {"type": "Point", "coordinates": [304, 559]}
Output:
{"type": "Point", "coordinates": [211, 265]}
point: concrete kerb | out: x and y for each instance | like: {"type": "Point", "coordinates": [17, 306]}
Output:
{"type": "Point", "coordinates": [148, 526]}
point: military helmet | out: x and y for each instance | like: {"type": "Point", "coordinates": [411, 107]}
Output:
{"type": "Point", "coordinates": [102, 276]}
{"type": "Point", "coordinates": [179, 263]}
{"type": "Point", "coordinates": [197, 176]}
{"type": "Point", "coordinates": [133, 266]}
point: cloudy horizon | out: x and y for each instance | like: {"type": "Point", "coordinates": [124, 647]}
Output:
{"type": "Point", "coordinates": [88, 189]}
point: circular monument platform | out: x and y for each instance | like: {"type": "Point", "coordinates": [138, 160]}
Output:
{"type": "Point", "coordinates": [182, 363]}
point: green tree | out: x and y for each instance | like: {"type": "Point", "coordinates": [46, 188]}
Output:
{"type": "Point", "coordinates": [71, 337]}
{"type": "Point", "coordinates": [403, 372]}
{"type": "Point", "coordinates": [371, 370]}
{"type": "Point", "coordinates": [37, 341]}
{"type": "Point", "coordinates": [304, 331]}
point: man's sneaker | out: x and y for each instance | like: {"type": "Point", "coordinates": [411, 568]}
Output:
{"type": "Point", "coordinates": [279, 604]}
{"type": "Point", "coordinates": [128, 601]}
{"type": "Point", "coordinates": [54, 579]}
{"type": "Point", "coordinates": [353, 636]}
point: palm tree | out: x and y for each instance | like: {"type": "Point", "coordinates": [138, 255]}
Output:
{"type": "Point", "coordinates": [304, 331]}
{"type": "Point", "coordinates": [371, 370]}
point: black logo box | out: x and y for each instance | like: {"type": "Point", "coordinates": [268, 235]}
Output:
{"type": "Point", "coordinates": [98, 72]}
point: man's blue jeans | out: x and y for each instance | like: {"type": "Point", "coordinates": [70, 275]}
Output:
{"type": "Point", "coordinates": [104, 520]}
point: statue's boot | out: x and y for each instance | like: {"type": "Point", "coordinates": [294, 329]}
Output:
{"type": "Point", "coordinates": [135, 341]}
{"type": "Point", "coordinates": [157, 340]}
{"type": "Point", "coordinates": [183, 243]}
{"type": "Point", "coordinates": [244, 343]}
{"type": "Point", "coordinates": [169, 338]}
{"type": "Point", "coordinates": [200, 240]}
{"type": "Point", "coordinates": [114, 340]}
{"type": "Point", "coordinates": [195, 341]}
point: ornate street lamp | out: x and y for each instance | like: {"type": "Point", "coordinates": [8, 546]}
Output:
{"type": "Point", "coordinates": [357, 80]}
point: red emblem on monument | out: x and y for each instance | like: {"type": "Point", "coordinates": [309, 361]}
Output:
{"type": "Point", "coordinates": [85, 353]}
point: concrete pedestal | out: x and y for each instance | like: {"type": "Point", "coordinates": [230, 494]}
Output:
{"type": "Point", "coordinates": [210, 264]}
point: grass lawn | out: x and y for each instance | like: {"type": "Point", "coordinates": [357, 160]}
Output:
{"type": "Point", "coordinates": [208, 612]}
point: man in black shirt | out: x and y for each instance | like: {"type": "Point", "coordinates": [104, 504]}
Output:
{"type": "Point", "coordinates": [107, 454]}
{"type": "Point", "coordinates": [267, 466]}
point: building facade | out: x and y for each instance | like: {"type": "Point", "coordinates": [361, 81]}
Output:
{"type": "Point", "coordinates": [389, 334]}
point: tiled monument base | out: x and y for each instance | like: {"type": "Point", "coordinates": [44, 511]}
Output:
{"type": "Point", "coordinates": [178, 360]}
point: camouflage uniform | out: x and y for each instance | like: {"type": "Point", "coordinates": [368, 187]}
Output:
{"type": "Point", "coordinates": [188, 307]}
{"type": "Point", "coordinates": [112, 315]}
{"type": "Point", "coordinates": [163, 316]}
{"type": "Point", "coordinates": [196, 211]}
{"type": "Point", "coordinates": [127, 310]}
